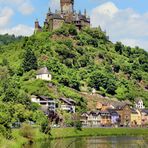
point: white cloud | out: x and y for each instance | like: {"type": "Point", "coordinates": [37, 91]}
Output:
{"type": "Point", "coordinates": [134, 42]}
{"type": "Point", "coordinates": [18, 30]}
{"type": "Point", "coordinates": [125, 25]}
{"type": "Point", "coordinates": [5, 19]}
{"type": "Point", "coordinates": [108, 9]}
{"type": "Point", "coordinates": [12, 1]}
{"type": "Point", "coordinates": [5, 16]}
{"type": "Point", "coordinates": [24, 6]}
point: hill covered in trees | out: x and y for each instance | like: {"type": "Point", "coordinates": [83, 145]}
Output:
{"type": "Point", "coordinates": [78, 61]}
{"type": "Point", "coordinates": [82, 61]}
{"type": "Point", "coordinates": [7, 39]}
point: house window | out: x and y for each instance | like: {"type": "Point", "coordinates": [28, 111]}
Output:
{"type": "Point", "coordinates": [43, 103]}
{"type": "Point", "coordinates": [126, 117]}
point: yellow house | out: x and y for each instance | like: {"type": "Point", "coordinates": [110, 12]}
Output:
{"type": "Point", "coordinates": [135, 118]}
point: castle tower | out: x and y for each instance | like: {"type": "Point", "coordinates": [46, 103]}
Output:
{"type": "Point", "coordinates": [37, 26]}
{"type": "Point", "coordinates": [67, 6]}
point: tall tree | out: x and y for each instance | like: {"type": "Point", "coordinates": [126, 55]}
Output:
{"type": "Point", "coordinates": [29, 61]}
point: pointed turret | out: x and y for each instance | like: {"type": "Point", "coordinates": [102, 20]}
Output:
{"type": "Point", "coordinates": [36, 23]}
{"type": "Point", "coordinates": [49, 10]}
{"type": "Point", "coordinates": [37, 26]}
{"type": "Point", "coordinates": [85, 13]}
{"type": "Point", "coordinates": [79, 12]}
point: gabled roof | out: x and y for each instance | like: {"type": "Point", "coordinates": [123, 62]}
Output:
{"type": "Point", "coordinates": [57, 16]}
{"type": "Point", "coordinates": [43, 97]}
{"type": "Point", "coordinates": [137, 100]}
{"type": "Point", "coordinates": [68, 100]}
{"type": "Point", "coordinates": [71, 100]}
{"type": "Point", "coordinates": [79, 17]}
{"type": "Point", "coordinates": [94, 113]}
{"type": "Point", "coordinates": [43, 70]}
{"type": "Point", "coordinates": [144, 111]}
{"type": "Point", "coordinates": [82, 17]}
{"type": "Point", "coordinates": [133, 111]}
{"type": "Point", "coordinates": [113, 112]}
{"type": "Point", "coordinates": [120, 105]}
{"type": "Point", "coordinates": [84, 114]}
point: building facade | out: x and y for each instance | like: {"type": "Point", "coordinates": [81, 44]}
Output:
{"type": "Point", "coordinates": [144, 117]}
{"type": "Point", "coordinates": [91, 119]}
{"type": "Point", "coordinates": [67, 14]}
{"type": "Point", "coordinates": [67, 104]}
{"type": "Point", "coordinates": [105, 118]}
{"type": "Point", "coordinates": [43, 74]}
{"type": "Point", "coordinates": [139, 103]}
{"type": "Point", "coordinates": [47, 104]}
{"type": "Point", "coordinates": [115, 119]}
{"type": "Point", "coordinates": [136, 118]}
{"type": "Point", "coordinates": [124, 114]}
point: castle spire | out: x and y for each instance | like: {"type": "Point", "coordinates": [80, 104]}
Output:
{"type": "Point", "coordinates": [36, 23]}
{"type": "Point", "coordinates": [56, 11]}
{"type": "Point", "coordinates": [37, 26]}
{"type": "Point", "coordinates": [85, 12]}
{"type": "Point", "coordinates": [49, 10]}
{"type": "Point", "coordinates": [79, 12]}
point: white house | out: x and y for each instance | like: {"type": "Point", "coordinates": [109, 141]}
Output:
{"type": "Point", "coordinates": [139, 103]}
{"type": "Point", "coordinates": [67, 104]}
{"type": "Point", "coordinates": [91, 119]}
{"type": "Point", "coordinates": [44, 74]}
{"type": "Point", "coordinates": [47, 104]}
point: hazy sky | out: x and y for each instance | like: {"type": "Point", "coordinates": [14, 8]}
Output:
{"type": "Point", "coordinates": [123, 20]}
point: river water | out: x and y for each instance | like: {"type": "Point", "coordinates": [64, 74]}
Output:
{"type": "Point", "coordinates": [94, 142]}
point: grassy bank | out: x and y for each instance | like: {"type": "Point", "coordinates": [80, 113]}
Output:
{"type": "Point", "coordinates": [18, 140]}
{"type": "Point", "coordinates": [71, 132]}
{"type": "Point", "coordinates": [56, 133]}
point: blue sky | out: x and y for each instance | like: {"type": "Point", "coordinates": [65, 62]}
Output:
{"type": "Point", "coordinates": [124, 20]}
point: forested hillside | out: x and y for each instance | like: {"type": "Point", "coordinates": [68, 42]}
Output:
{"type": "Point", "coordinates": [78, 62]}
{"type": "Point", "coordinates": [7, 39]}
{"type": "Point", "coordinates": [82, 61]}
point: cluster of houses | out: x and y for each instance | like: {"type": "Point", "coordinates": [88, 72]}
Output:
{"type": "Point", "coordinates": [116, 114]}
{"type": "Point", "coordinates": [105, 114]}
{"type": "Point", "coordinates": [51, 105]}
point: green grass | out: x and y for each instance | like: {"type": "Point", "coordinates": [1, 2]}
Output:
{"type": "Point", "coordinates": [71, 132]}
{"type": "Point", "coordinates": [17, 141]}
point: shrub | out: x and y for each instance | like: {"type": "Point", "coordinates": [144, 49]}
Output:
{"type": "Point", "coordinates": [27, 131]}
{"type": "Point", "coordinates": [5, 132]}
{"type": "Point", "coordinates": [78, 125]}
{"type": "Point", "coordinates": [46, 129]}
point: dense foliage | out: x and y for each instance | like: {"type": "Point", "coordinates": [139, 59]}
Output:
{"type": "Point", "coordinates": [78, 61]}
{"type": "Point", "coordinates": [7, 39]}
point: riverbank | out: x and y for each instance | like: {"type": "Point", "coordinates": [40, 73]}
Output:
{"type": "Point", "coordinates": [56, 133]}
{"type": "Point", "coordinates": [72, 132]}
{"type": "Point", "coordinates": [18, 140]}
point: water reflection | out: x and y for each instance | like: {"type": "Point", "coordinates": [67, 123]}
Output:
{"type": "Point", "coordinates": [94, 142]}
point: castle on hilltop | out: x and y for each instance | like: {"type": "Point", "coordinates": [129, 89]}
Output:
{"type": "Point", "coordinates": [67, 14]}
